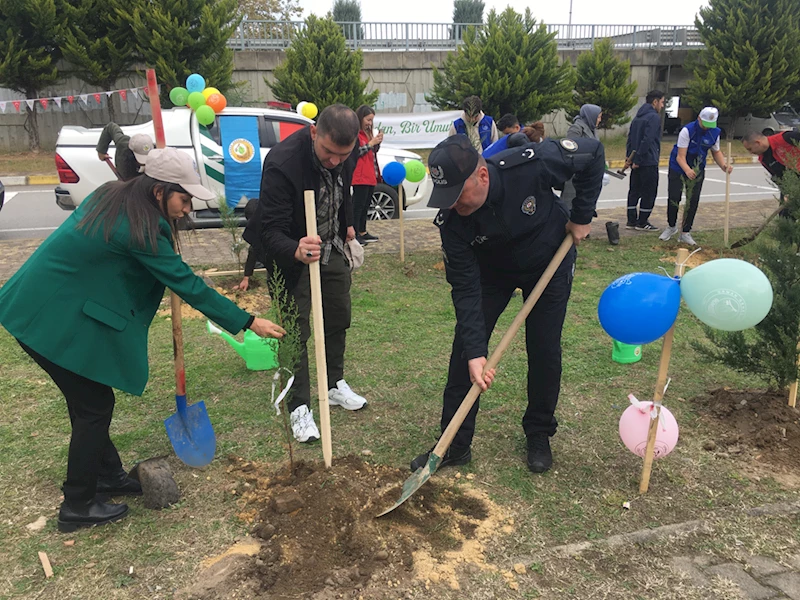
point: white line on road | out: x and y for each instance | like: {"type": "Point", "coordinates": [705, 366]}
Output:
{"type": "Point", "coordinates": [29, 229]}
{"type": "Point", "coordinates": [9, 196]}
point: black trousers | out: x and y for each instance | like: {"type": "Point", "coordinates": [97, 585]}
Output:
{"type": "Point", "coordinates": [644, 188]}
{"type": "Point", "coordinates": [336, 309]}
{"type": "Point", "coordinates": [362, 194]}
{"type": "Point", "coordinates": [92, 454]}
{"type": "Point", "coordinates": [675, 185]}
{"type": "Point", "coordinates": [543, 345]}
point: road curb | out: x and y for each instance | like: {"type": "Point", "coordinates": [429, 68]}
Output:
{"type": "Point", "coordinates": [664, 162]}
{"type": "Point", "coordinates": [31, 180]}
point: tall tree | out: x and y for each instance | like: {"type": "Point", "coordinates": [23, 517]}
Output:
{"type": "Point", "coordinates": [270, 10]}
{"type": "Point", "coordinates": [751, 60]}
{"type": "Point", "coordinates": [604, 80]}
{"type": "Point", "coordinates": [181, 37]}
{"type": "Point", "coordinates": [30, 35]}
{"type": "Point", "coordinates": [319, 68]}
{"type": "Point", "coordinates": [98, 42]}
{"type": "Point", "coordinates": [466, 11]}
{"type": "Point", "coordinates": [349, 12]}
{"type": "Point", "coordinates": [511, 63]}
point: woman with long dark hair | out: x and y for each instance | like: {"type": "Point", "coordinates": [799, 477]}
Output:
{"type": "Point", "coordinates": [366, 174]}
{"type": "Point", "coordinates": [81, 307]}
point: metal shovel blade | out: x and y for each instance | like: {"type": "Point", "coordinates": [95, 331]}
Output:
{"type": "Point", "coordinates": [191, 433]}
{"type": "Point", "coordinates": [416, 481]}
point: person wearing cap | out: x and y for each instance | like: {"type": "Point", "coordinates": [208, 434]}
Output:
{"type": "Point", "coordinates": [500, 225]}
{"type": "Point", "coordinates": [131, 151]}
{"type": "Point", "coordinates": [81, 307]}
{"type": "Point", "coordinates": [473, 123]}
{"type": "Point", "coordinates": [320, 158]}
{"type": "Point", "coordinates": [687, 163]}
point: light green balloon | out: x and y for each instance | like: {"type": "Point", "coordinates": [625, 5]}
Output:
{"type": "Point", "coordinates": [196, 100]}
{"type": "Point", "coordinates": [727, 294]}
{"type": "Point", "coordinates": [205, 115]}
{"type": "Point", "coordinates": [415, 171]}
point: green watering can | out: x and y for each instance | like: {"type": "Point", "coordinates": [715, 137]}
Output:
{"type": "Point", "coordinates": [259, 354]}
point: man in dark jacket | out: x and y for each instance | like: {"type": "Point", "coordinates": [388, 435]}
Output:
{"type": "Point", "coordinates": [644, 141]}
{"type": "Point", "coordinates": [130, 154]}
{"type": "Point", "coordinates": [500, 225]}
{"type": "Point", "coordinates": [317, 157]}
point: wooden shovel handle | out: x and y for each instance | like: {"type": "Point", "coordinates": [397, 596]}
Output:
{"type": "Point", "coordinates": [475, 390]}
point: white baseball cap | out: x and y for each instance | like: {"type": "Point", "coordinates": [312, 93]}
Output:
{"type": "Point", "coordinates": [709, 116]}
{"type": "Point", "coordinates": [141, 144]}
{"type": "Point", "coordinates": [173, 166]}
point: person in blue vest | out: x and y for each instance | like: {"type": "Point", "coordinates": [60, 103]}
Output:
{"type": "Point", "coordinates": [509, 126]}
{"type": "Point", "coordinates": [478, 127]}
{"type": "Point", "coordinates": [687, 167]}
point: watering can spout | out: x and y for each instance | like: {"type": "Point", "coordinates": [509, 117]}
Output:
{"type": "Point", "coordinates": [234, 343]}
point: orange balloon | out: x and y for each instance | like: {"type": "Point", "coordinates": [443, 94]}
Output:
{"type": "Point", "coordinates": [217, 102]}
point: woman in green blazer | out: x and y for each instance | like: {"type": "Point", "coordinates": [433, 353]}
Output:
{"type": "Point", "coordinates": [81, 307]}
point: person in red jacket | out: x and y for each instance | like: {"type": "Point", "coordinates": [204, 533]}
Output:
{"type": "Point", "coordinates": [776, 152]}
{"type": "Point", "coordinates": [367, 173]}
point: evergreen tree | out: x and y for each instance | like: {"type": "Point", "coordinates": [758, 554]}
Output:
{"type": "Point", "coordinates": [349, 11]}
{"type": "Point", "coordinates": [181, 37]}
{"type": "Point", "coordinates": [466, 11]}
{"type": "Point", "coordinates": [98, 42]}
{"type": "Point", "coordinates": [511, 63]}
{"type": "Point", "coordinates": [751, 60]}
{"type": "Point", "coordinates": [30, 32]}
{"type": "Point", "coordinates": [604, 80]}
{"type": "Point", "coordinates": [770, 349]}
{"type": "Point", "coordinates": [319, 68]}
{"type": "Point", "coordinates": [270, 10]}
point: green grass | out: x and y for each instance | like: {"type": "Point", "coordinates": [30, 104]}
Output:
{"type": "Point", "coordinates": [28, 163]}
{"type": "Point", "coordinates": [398, 349]}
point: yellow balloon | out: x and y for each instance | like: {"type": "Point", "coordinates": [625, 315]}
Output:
{"type": "Point", "coordinates": [310, 110]}
{"type": "Point", "coordinates": [208, 91]}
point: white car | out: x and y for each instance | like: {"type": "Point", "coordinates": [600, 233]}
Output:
{"type": "Point", "coordinates": [784, 119]}
{"type": "Point", "coordinates": [81, 172]}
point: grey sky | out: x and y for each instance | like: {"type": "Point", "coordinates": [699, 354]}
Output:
{"type": "Point", "coordinates": [638, 12]}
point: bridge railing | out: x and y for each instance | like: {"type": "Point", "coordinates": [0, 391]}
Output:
{"type": "Point", "coordinates": [278, 35]}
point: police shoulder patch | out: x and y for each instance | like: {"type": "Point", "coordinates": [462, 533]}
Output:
{"type": "Point", "coordinates": [569, 145]}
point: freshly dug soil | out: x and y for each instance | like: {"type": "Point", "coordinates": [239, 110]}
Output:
{"type": "Point", "coordinates": [320, 538]}
{"type": "Point", "coordinates": [755, 423]}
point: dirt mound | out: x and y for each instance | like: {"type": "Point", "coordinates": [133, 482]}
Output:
{"type": "Point", "coordinates": [320, 538]}
{"type": "Point", "coordinates": [754, 422]}
{"type": "Point", "coordinates": [255, 301]}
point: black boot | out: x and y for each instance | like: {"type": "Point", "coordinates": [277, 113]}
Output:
{"type": "Point", "coordinates": [118, 484]}
{"type": "Point", "coordinates": [540, 458]}
{"type": "Point", "coordinates": [452, 458]}
{"type": "Point", "coordinates": [612, 229]}
{"type": "Point", "coordinates": [74, 515]}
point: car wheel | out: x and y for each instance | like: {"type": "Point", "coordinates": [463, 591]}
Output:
{"type": "Point", "coordinates": [383, 204]}
{"type": "Point", "coordinates": [768, 131]}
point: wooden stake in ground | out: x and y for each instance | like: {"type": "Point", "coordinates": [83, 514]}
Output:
{"type": "Point", "coordinates": [400, 205]}
{"type": "Point", "coordinates": [727, 197]}
{"type": "Point", "coordinates": [48, 570]}
{"type": "Point", "coordinates": [319, 333]}
{"type": "Point", "coordinates": [661, 382]}
{"type": "Point", "coordinates": [793, 387]}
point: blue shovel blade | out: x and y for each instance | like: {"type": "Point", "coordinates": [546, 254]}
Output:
{"type": "Point", "coordinates": [191, 434]}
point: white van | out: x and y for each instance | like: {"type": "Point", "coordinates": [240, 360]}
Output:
{"type": "Point", "coordinates": [81, 172]}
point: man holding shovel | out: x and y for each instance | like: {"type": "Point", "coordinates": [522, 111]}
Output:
{"type": "Point", "coordinates": [500, 225]}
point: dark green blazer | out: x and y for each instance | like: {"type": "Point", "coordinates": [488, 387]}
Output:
{"type": "Point", "coordinates": [87, 304]}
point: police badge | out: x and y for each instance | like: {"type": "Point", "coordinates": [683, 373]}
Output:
{"type": "Point", "coordinates": [569, 145]}
{"type": "Point", "coordinates": [529, 206]}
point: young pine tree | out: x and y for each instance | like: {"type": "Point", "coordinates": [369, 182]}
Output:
{"type": "Point", "coordinates": [30, 32]}
{"type": "Point", "coordinates": [604, 80]}
{"type": "Point", "coordinates": [751, 60]}
{"type": "Point", "coordinates": [466, 11]}
{"type": "Point", "coordinates": [319, 68]}
{"type": "Point", "coordinates": [349, 11]}
{"type": "Point", "coordinates": [511, 64]}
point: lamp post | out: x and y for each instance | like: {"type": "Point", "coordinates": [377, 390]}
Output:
{"type": "Point", "coordinates": [570, 19]}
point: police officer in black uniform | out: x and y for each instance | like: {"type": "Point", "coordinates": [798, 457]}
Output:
{"type": "Point", "coordinates": [500, 225]}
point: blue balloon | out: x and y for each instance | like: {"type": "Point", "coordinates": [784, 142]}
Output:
{"type": "Point", "coordinates": [195, 83]}
{"type": "Point", "coordinates": [394, 173]}
{"type": "Point", "coordinates": [639, 308]}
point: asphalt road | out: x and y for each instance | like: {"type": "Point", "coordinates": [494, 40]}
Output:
{"type": "Point", "coordinates": [31, 211]}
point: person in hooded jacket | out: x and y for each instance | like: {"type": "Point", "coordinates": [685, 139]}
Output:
{"type": "Point", "coordinates": [583, 126]}
{"type": "Point", "coordinates": [643, 149]}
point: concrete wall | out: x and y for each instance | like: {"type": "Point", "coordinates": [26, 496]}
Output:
{"type": "Point", "coordinates": [403, 79]}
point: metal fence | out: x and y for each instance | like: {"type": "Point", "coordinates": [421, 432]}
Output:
{"type": "Point", "coordinates": [277, 35]}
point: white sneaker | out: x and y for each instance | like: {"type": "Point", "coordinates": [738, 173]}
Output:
{"type": "Point", "coordinates": [303, 426]}
{"type": "Point", "coordinates": [687, 238]}
{"type": "Point", "coordinates": [343, 396]}
{"type": "Point", "coordinates": [668, 233]}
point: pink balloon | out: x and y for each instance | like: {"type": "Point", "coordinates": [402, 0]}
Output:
{"type": "Point", "coordinates": [633, 426]}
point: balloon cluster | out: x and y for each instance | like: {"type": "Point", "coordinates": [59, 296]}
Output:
{"type": "Point", "coordinates": [206, 102]}
{"type": "Point", "coordinates": [307, 109]}
{"type": "Point", "coordinates": [395, 172]}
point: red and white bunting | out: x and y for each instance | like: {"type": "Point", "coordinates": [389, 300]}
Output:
{"type": "Point", "coordinates": [17, 104]}
{"type": "Point", "coordinates": [135, 91]}
{"type": "Point", "coordinates": [97, 98]}
{"type": "Point", "coordinates": [123, 94]}
{"type": "Point", "coordinates": [44, 103]}
{"type": "Point", "coordinates": [85, 98]}
{"type": "Point", "coordinates": [30, 103]}
{"type": "Point", "coordinates": [2, 107]}
{"type": "Point", "coordinates": [71, 99]}
{"type": "Point", "coordinates": [57, 101]}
